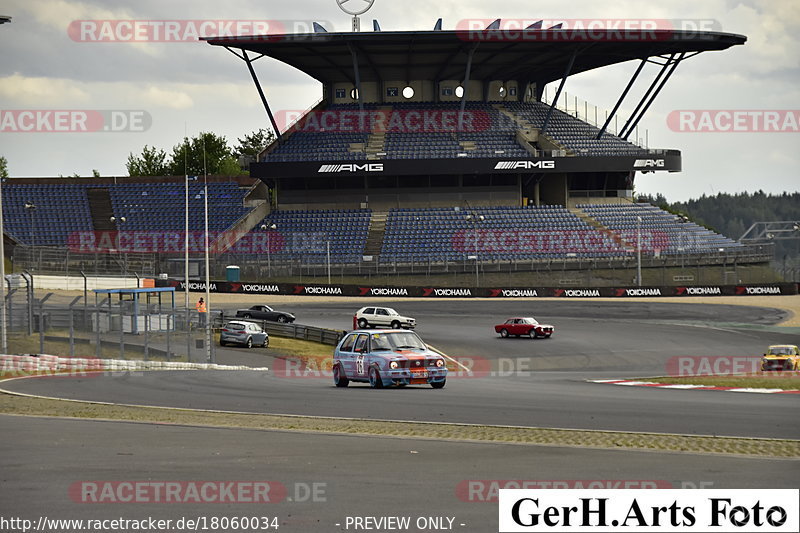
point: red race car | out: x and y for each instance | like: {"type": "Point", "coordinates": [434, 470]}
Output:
{"type": "Point", "coordinates": [524, 326]}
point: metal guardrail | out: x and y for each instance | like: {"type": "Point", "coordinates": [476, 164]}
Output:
{"type": "Point", "coordinates": [330, 337]}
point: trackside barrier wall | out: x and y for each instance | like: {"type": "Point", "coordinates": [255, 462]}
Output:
{"type": "Point", "coordinates": [773, 289]}
{"type": "Point", "coordinates": [295, 331]}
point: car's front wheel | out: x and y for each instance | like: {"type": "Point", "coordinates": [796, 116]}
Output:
{"type": "Point", "coordinates": [375, 380]}
{"type": "Point", "coordinates": [362, 323]}
{"type": "Point", "coordinates": [265, 344]}
{"type": "Point", "coordinates": [283, 319]}
{"type": "Point", "coordinates": [221, 342]}
{"type": "Point", "coordinates": [395, 324]}
{"type": "Point", "coordinates": [338, 378]}
{"type": "Point", "coordinates": [438, 384]}
{"type": "Point", "coordinates": [504, 333]}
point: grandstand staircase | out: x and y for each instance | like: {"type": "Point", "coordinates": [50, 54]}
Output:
{"type": "Point", "coordinates": [529, 135]}
{"type": "Point", "coordinates": [257, 198]}
{"type": "Point", "coordinates": [613, 235]}
{"type": "Point", "coordinates": [101, 209]}
{"type": "Point", "coordinates": [377, 230]}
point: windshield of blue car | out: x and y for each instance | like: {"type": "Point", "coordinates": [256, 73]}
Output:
{"type": "Point", "coordinates": [400, 340]}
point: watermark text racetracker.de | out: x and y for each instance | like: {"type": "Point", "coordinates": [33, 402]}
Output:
{"type": "Point", "coordinates": [74, 121]}
{"type": "Point", "coordinates": [583, 30]}
{"type": "Point", "coordinates": [46, 524]}
{"type": "Point", "coordinates": [183, 30]}
{"type": "Point", "coordinates": [734, 121]}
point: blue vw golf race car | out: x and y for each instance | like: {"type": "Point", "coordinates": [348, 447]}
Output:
{"type": "Point", "coordinates": [384, 358]}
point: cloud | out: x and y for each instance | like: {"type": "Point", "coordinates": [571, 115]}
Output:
{"type": "Point", "coordinates": [21, 91]}
{"type": "Point", "coordinates": [159, 97]}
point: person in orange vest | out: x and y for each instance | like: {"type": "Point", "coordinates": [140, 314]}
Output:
{"type": "Point", "coordinates": [201, 311]}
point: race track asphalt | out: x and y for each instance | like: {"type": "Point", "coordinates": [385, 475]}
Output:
{"type": "Point", "coordinates": [532, 382]}
{"type": "Point", "coordinates": [44, 458]}
{"type": "Point", "coordinates": [538, 383]}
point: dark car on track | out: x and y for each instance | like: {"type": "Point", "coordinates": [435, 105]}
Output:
{"type": "Point", "coordinates": [518, 326]}
{"type": "Point", "coordinates": [265, 312]}
{"type": "Point", "coordinates": [387, 357]}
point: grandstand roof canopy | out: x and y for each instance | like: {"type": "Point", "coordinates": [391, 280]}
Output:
{"type": "Point", "coordinates": [540, 55]}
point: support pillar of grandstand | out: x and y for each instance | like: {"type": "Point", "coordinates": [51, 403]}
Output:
{"type": "Point", "coordinates": [465, 85]}
{"type": "Point", "coordinates": [621, 98]}
{"type": "Point", "coordinates": [535, 180]}
{"type": "Point", "coordinates": [357, 72]}
{"type": "Point", "coordinates": [560, 88]}
{"type": "Point", "coordinates": [264, 101]}
{"type": "Point", "coordinates": [634, 119]}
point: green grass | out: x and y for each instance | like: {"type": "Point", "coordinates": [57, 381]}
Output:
{"type": "Point", "coordinates": [783, 380]}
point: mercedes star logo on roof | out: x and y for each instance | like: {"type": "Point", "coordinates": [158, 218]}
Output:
{"type": "Point", "coordinates": [355, 11]}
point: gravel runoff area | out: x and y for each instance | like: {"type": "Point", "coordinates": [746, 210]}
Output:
{"type": "Point", "coordinates": [778, 448]}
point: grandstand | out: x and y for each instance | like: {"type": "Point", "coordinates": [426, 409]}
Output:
{"type": "Point", "coordinates": [46, 212]}
{"type": "Point", "coordinates": [426, 147]}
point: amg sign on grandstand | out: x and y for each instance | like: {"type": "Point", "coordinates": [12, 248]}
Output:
{"type": "Point", "coordinates": [384, 121]}
{"type": "Point", "coordinates": [368, 167]}
{"type": "Point", "coordinates": [183, 31]}
{"type": "Point", "coordinates": [74, 121]}
{"type": "Point", "coordinates": [649, 163]}
{"type": "Point", "coordinates": [735, 121]}
{"type": "Point", "coordinates": [525, 165]}
{"type": "Point", "coordinates": [612, 30]}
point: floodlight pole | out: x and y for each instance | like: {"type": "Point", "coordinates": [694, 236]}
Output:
{"type": "Point", "coordinates": [208, 275]}
{"type": "Point", "coordinates": [639, 251]}
{"type": "Point", "coordinates": [3, 334]}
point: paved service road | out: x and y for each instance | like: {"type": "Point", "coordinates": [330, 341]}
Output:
{"type": "Point", "coordinates": [592, 340]}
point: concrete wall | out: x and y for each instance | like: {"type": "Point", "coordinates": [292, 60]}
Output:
{"type": "Point", "coordinates": [72, 283]}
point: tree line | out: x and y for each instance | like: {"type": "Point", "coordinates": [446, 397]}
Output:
{"type": "Point", "coordinates": [206, 152]}
{"type": "Point", "coordinates": [733, 214]}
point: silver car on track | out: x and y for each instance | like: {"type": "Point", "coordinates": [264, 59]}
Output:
{"type": "Point", "coordinates": [245, 333]}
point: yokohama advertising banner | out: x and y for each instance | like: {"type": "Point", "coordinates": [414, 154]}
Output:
{"type": "Point", "coordinates": [432, 291]}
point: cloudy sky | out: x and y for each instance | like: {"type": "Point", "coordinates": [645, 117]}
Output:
{"type": "Point", "coordinates": [192, 86]}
